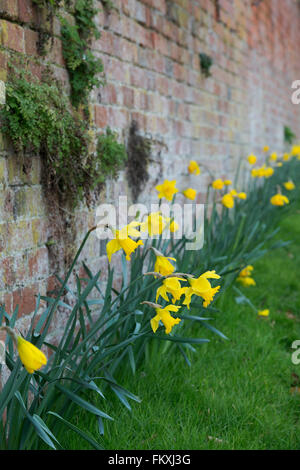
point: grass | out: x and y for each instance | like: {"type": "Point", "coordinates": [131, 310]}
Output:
{"type": "Point", "coordinates": [237, 394]}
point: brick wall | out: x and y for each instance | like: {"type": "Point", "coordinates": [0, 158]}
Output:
{"type": "Point", "coordinates": [150, 50]}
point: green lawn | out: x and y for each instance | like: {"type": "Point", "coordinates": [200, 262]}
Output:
{"type": "Point", "coordinates": [237, 393]}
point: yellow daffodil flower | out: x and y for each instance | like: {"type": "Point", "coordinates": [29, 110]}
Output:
{"type": "Point", "coordinates": [190, 193]}
{"type": "Point", "coordinates": [295, 151]}
{"type": "Point", "coordinates": [172, 286]}
{"type": "Point", "coordinates": [227, 182]}
{"type": "Point", "coordinates": [122, 241]}
{"type": "Point", "coordinates": [279, 200]}
{"type": "Point", "coordinates": [245, 277]}
{"type": "Point", "coordinates": [266, 148]}
{"type": "Point", "coordinates": [286, 157]}
{"type": "Point", "coordinates": [167, 189]}
{"type": "Point", "coordinates": [268, 172]}
{"type": "Point", "coordinates": [233, 193]}
{"type": "Point", "coordinates": [289, 185]}
{"type": "Point", "coordinates": [273, 157]}
{"type": "Point", "coordinates": [246, 281]}
{"type": "Point", "coordinates": [247, 271]}
{"type": "Point", "coordinates": [264, 313]}
{"type": "Point", "coordinates": [163, 315]}
{"type": "Point", "coordinates": [218, 184]}
{"type": "Point", "coordinates": [163, 266]}
{"type": "Point", "coordinates": [252, 159]}
{"type": "Point", "coordinates": [193, 168]}
{"type": "Point", "coordinates": [242, 195]}
{"type": "Point", "coordinates": [228, 201]}
{"type": "Point", "coordinates": [202, 288]}
{"type": "Point", "coordinates": [155, 223]}
{"type": "Point", "coordinates": [32, 358]}
{"type": "Point", "coordinates": [174, 226]}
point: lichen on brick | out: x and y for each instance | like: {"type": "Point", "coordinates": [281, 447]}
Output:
{"type": "Point", "coordinates": [139, 152]}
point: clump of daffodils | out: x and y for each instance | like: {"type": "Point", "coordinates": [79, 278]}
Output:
{"type": "Point", "coordinates": [219, 184]}
{"type": "Point", "coordinates": [228, 199]}
{"type": "Point", "coordinates": [177, 285]}
{"type": "Point", "coordinates": [245, 278]}
{"type": "Point", "coordinates": [263, 172]}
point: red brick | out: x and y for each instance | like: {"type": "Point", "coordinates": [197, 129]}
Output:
{"type": "Point", "coordinates": [128, 97]}
{"type": "Point", "coordinates": [9, 8]}
{"type": "Point", "coordinates": [38, 263]}
{"type": "Point", "coordinates": [27, 11]}
{"type": "Point", "coordinates": [101, 119]}
{"type": "Point", "coordinates": [8, 299]}
{"type": "Point", "coordinates": [12, 36]}
{"type": "Point", "coordinates": [31, 40]}
{"type": "Point", "coordinates": [8, 271]}
{"type": "Point", "coordinates": [25, 299]}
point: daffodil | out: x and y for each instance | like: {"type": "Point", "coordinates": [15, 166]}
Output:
{"type": "Point", "coordinates": [122, 240]}
{"type": "Point", "coordinates": [32, 358]}
{"type": "Point", "coordinates": [233, 193]}
{"type": "Point", "coordinates": [279, 200]}
{"type": "Point", "coordinates": [155, 223]}
{"type": "Point", "coordinates": [289, 185]}
{"type": "Point", "coordinates": [163, 315]}
{"type": "Point", "coordinates": [264, 313]}
{"type": "Point", "coordinates": [171, 285]}
{"type": "Point", "coordinates": [252, 159]}
{"type": "Point", "coordinates": [193, 168]}
{"type": "Point", "coordinates": [242, 195]}
{"type": "Point", "coordinates": [295, 151]}
{"type": "Point", "coordinates": [202, 288]}
{"type": "Point", "coordinates": [247, 271]}
{"type": "Point", "coordinates": [167, 189]}
{"type": "Point", "coordinates": [263, 172]}
{"type": "Point", "coordinates": [218, 184]}
{"type": "Point", "coordinates": [228, 201]}
{"type": "Point", "coordinates": [273, 157]}
{"type": "Point", "coordinates": [174, 226]}
{"type": "Point", "coordinates": [190, 193]}
{"type": "Point", "coordinates": [268, 172]}
{"type": "Point", "coordinates": [245, 277]}
{"type": "Point", "coordinates": [163, 266]}
{"type": "Point", "coordinates": [246, 281]}
{"type": "Point", "coordinates": [227, 182]}
{"type": "Point", "coordinates": [286, 157]}
{"type": "Point", "coordinates": [266, 148]}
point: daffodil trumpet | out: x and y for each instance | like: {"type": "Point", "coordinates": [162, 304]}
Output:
{"type": "Point", "coordinates": [31, 357]}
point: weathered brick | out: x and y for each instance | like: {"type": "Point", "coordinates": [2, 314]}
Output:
{"type": "Point", "coordinates": [9, 8]}
{"type": "Point", "coordinates": [12, 36]}
{"type": "Point", "coordinates": [25, 299]}
{"type": "Point", "coordinates": [28, 13]}
{"type": "Point", "coordinates": [31, 41]}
